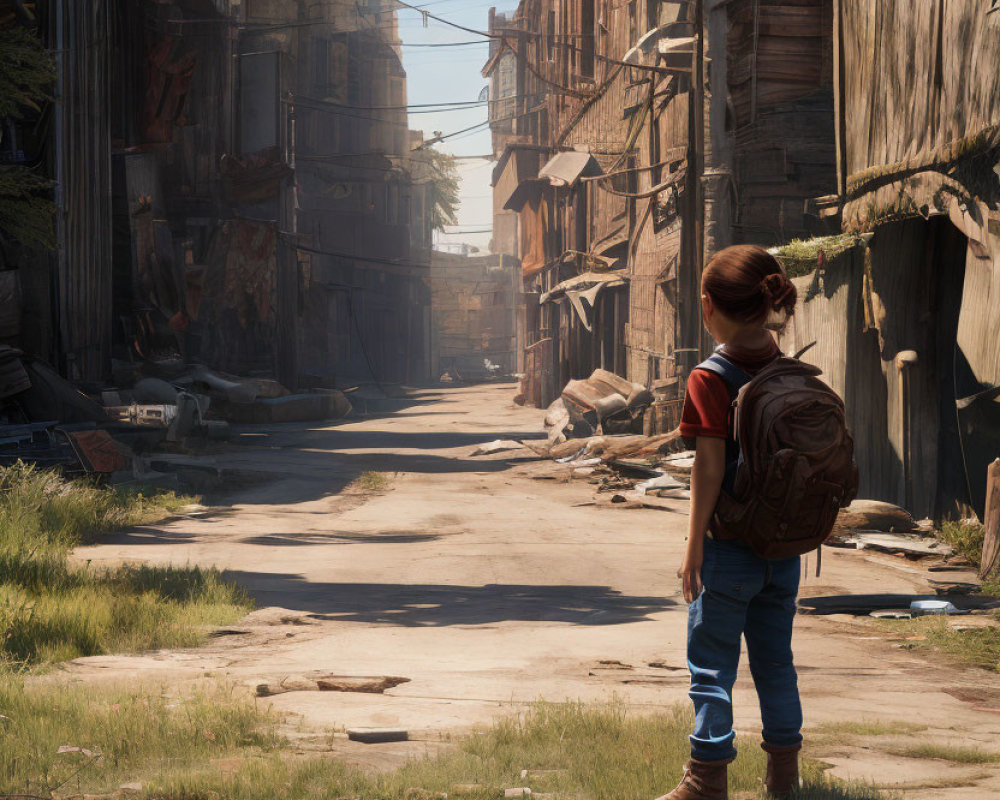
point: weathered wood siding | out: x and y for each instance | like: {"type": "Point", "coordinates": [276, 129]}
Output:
{"type": "Point", "coordinates": [780, 71]}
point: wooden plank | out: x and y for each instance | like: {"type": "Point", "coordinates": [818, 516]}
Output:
{"type": "Point", "coordinates": [990, 565]}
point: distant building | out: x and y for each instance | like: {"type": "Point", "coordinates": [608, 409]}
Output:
{"type": "Point", "coordinates": [234, 186]}
{"type": "Point", "coordinates": [624, 164]}
{"type": "Point", "coordinates": [474, 302]}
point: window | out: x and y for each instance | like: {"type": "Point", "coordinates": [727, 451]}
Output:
{"type": "Point", "coordinates": [587, 40]}
{"type": "Point", "coordinates": [321, 66]}
{"type": "Point", "coordinates": [550, 36]}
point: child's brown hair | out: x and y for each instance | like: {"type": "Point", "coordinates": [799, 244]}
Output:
{"type": "Point", "coordinates": [747, 284]}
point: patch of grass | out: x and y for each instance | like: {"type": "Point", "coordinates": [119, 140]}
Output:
{"type": "Point", "coordinates": [574, 751]}
{"type": "Point", "coordinates": [799, 257]}
{"type": "Point", "coordinates": [977, 647]}
{"type": "Point", "coordinates": [966, 537]}
{"type": "Point", "coordinates": [126, 736]}
{"type": "Point", "coordinates": [51, 610]}
{"type": "Point", "coordinates": [943, 752]}
{"type": "Point", "coordinates": [867, 728]}
{"type": "Point", "coordinates": [374, 481]}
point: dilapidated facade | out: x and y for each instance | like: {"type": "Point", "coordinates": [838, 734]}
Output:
{"type": "Point", "coordinates": [234, 186]}
{"type": "Point", "coordinates": [866, 133]}
{"type": "Point", "coordinates": [908, 316]}
{"type": "Point", "coordinates": [679, 160]}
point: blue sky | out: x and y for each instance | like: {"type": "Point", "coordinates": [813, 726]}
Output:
{"type": "Point", "coordinates": [452, 74]}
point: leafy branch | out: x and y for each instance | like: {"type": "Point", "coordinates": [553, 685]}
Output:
{"type": "Point", "coordinates": [26, 75]}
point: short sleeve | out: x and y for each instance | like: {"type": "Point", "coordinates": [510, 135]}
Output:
{"type": "Point", "coordinates": [706, 407]}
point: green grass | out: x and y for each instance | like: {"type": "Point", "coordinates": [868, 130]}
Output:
{"type": "Point", "coordinates": [855, 728]}
{"type": "Point", "coordinates": [129, 736]}
{"type": "Point", "coordinates": [570, 750]}
{"type": "Point", "coordinates": [374, 481]}
{"type": "Point", "coordinates": [966, 537]}
{"type": "Point", "coordinates": [973, 646]}
{"type": "Point", "coordinates": [799, 256]}
{"type": "Point", "coordinates": [52, 610]}
{"type": "Point", "coordinates": [943, 752]}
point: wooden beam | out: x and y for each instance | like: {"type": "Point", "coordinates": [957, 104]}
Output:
{"type": "Point", "coordinates": [990, 565]}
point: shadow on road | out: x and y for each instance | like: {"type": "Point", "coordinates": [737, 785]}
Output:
{"type": "Point", "coordinates": [435, 605]}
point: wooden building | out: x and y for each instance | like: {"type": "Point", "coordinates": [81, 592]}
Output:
{"type": "Point", "coordinates": [681, 160]}
{"type": "Point", "coordinates": [908, 316]}
{"type": "Point", "coordinates": [235, 185]}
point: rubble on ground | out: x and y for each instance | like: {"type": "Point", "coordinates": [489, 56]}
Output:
{"type": "Point", "coordinates": [47, 421]}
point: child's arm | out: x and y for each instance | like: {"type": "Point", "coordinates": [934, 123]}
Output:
{"type": "Point", "coordinates": [706, 483]}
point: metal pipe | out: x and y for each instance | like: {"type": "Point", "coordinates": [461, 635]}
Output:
{"type": "Point", "coordinates": [905, 361]}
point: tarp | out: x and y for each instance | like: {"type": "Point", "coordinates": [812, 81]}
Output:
{"type": "Point", "coordinates": [566, 169]}
{"type": "Point", "coordinates": [534, 219]}
{"type": "Point", "coordinates": [583, 291]}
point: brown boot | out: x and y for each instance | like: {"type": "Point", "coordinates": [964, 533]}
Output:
{"type": "Point", "coordinates": [703, 780]}
{"type": "Point", "coordinates": [782, 769]}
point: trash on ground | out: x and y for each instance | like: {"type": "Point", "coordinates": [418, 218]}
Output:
{"type": "Point", "coordinates": [331, 683]}
{"type": "Point", "coordinates": [377, 735]}
{"type": "Point", "coordinates": [498, 446]}
{"type": "Point", "coordinates": [923, 608]}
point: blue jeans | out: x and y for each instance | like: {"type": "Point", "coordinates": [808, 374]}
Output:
{"type": "Point", "coordinates": [743, 595]}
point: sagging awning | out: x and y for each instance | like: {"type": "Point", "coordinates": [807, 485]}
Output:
{"type": "Point", "coordinates": [525, 191]}
{"type": "Point", "coordinates": [566, 169]}
{"type": "Point", "coordinates": [582, 292]}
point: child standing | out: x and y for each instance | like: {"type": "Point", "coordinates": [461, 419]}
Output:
{"type": "Point", "coordinates": [732, 592]}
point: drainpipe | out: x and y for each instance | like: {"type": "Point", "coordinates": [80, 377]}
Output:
{"type": "Point", "coordinates": [905, 361]}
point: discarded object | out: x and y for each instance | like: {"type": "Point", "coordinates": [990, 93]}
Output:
{"type": "Point", "coordinates": [924, 608]}
{"type": "Point", "coordinates": [606, 402]}
{"type": "Point", "coordinates": [498, 446]}
{"type": "Point", "coordinates": [43, 444]}
{"type": "Point", "coordinates": [873, 515]}
{"type": "Point", "coordinates": [377, 735]}
{"type": "Point", "coordinates": [158, 416]}
{"type": "Point", "coordinates": [48, 396]}
{"type": "Point", "coordinates": [377, 685]}
{"type": "Point", "coordinates": [865, 604]}
{"type": "Point", "coordinates": [331, 683]}
{"type": "Point", "coordinates": [655, 485]}
{"type": "Point", "coordinates": [913, 547]}
{"type": "Point", "coordinates": [154, 391]}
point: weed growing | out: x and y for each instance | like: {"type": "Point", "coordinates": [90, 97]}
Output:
{"type": "Point", "coordinates": [51, 610]}
{"type": "Point", "coordinates": [374, 481]}
{"type": "Point", "coordinates": [64, 740]}
{"type": "Point", "coordinates": [972, 646]}
{"type": "Point", "coordinates": [966, 538]}
{"type": "Point", "coordinates": [862, 727]}
{"type": "Point", "coordinates": [955, 754]}
{"type": "Point", "coordinates": [568, 750]}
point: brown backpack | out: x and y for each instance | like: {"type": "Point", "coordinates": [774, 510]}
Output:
{"type": "Point", "coordinates": [795, 468]}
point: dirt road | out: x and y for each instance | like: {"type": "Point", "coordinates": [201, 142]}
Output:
{"type": "Point", "coordinates": [490, 585]}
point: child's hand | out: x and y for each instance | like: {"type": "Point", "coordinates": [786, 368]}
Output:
{"type": "Point", "coordinates": [690, 575]}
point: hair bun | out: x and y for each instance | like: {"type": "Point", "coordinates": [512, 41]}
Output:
{"type": "Point", "coordinates": [779, 292]}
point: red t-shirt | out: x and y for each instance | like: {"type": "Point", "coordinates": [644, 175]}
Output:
{"type": "Point", "coordinates": [707, 404]}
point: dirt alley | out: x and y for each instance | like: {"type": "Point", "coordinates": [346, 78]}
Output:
{"type": "Point", "coordinates": [490, 585]}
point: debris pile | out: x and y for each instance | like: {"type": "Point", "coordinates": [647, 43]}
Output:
{"type": "Point", "coordinates": [47, 421]}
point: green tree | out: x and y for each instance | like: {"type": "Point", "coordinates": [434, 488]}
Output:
{"type": "Point", "coordinates": [26, 75]}
{"type": "Point", "coordinates": [440, 171]}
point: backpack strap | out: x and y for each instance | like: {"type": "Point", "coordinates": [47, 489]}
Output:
{"type": "Point", "coordinates": [734, 377]}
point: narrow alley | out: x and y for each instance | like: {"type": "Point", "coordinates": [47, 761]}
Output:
{"type": "Point", "coordinates": [491, 582]}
